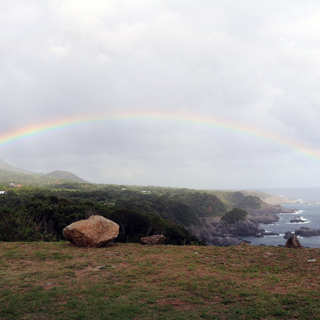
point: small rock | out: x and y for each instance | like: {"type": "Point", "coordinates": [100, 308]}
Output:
{"type": "Point", "coordinates": [259, 235]}
{"type": "Point", "coordinates": [312, 260]}
{"type": "Point", "coordinates": [155, 239]}
{"type": "Point", "coordinates": [267, 254]}
{"type": "Point", "coordinates": [297, 219]}
{"type": "Point", "coordinates": [293, 242]}
{"type": "Point", "coordinates": [242, 243]}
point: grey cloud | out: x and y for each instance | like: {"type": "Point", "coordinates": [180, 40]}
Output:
{"type": "Point", "coordinates": [247, 62]}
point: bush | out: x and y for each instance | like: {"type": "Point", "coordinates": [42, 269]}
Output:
{"type": "Point", "coordinates": [235, 215]}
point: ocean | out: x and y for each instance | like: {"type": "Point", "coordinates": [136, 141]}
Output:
{"type": "Point", "coordinates": [309, 212]}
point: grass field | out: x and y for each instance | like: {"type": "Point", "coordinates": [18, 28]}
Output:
{"type": "Point", "coordinates": [131, 281]}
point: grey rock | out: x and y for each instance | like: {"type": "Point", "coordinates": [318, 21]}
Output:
{"type": "Point", "coordinates": [307, 232]}
{"type": "Point", "coordinates": [259, 235]}
{"type": "Point", "coordinates": [248, 227]}
{"type": "Point", "coordinates": [225, 241]}
{"type": "Point", "coordinates": [297, 220]}
{"type": "Point", "coordinates": [266, 233]}
{"type": "Point", "coordinates": [288, 235]}
{"type": "Point", "coordinates": [265, 218]}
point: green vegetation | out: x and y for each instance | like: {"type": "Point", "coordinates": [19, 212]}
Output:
{"type": "Point", "coordinates": [130, 281]}
{"type": "Point", "coordinates": [64, 175]}
{"type": "Point", "coordinates": [32, 216]}
{"type": "Point", "coordinates": [44, 277]}
{"type": "Point", "coordinates": [235, 215]}
{"type": "Point", "coordinates": [40, 213]}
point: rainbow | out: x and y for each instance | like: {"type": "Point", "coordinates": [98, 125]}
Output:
{"type": "Point", "coordinates": [38, 129]}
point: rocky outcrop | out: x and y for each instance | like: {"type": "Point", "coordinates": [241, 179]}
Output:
{"type": "Point", "coordinates": [267, 213]}
{"type": "Point", "coordinates": [265, 218]}
{"type": "Point", "coordinates": [96, 232]}
{"type": "Point", "coordinates": [271, 208]}
{"type": "Point", "coordinates": [293, 242]}
{"type": "Point", "coordinates": [297, 219]}
{"type": "Point", "coordinates": [269, 233]}
{"type": "Point", "coordinates": [206, 231]}
{"type": "Point", "coordinates": [307, 232]}
{"type": "Point", "coordinates": [210, 232]}
{"type": "Point", "coordinates": [217, 232]}
{"type": "Point", "coordinates": [288, 235]}
{"type": "Point", "coordinates": [153, 240]}
{"type": "Point", "coordinates": [225, 241]}
{"type": "Point", "coordinates": [247, 227]}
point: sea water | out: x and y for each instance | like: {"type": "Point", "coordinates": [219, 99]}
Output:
{"type": "Point", "coordinates": [309, 211]}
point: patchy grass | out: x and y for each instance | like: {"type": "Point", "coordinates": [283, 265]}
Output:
{"type": "Point", "coordinates": [130, 281]}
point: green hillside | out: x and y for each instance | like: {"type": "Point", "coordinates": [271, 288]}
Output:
{"type": "Point", "coordinates": [5, 167]}
{"type": "Point", "coordinates": [11, 174]}
{"type": "Point", "coordinates": [64, 175]}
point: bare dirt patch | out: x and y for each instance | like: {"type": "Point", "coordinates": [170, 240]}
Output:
{"type": "Point", "coordinates": [81, 273]}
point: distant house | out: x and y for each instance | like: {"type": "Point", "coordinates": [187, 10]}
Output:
{"type": "Point", "coordinates": [3, 192]}
{"type": "Point", "coordinates": [15, 185]}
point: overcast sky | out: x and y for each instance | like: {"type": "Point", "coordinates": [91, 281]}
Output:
{"type": "Point", "coordinates": [251, 63]}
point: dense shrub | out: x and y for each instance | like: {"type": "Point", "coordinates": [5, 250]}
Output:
{"type": "Point", "coordinates": [42, 218]}
{"type": "Point", "coordinates": [235, 215]}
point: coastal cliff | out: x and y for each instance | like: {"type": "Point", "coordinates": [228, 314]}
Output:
{"type": "Point", "coordinates": [217, 232]}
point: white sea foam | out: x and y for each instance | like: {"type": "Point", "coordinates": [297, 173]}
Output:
{"type": "Point", "coordinates": [285, 213]}
{"type": "Point", "coordinates": [298, 212]}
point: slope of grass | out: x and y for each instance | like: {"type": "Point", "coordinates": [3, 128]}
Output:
{"type": "Point", "coordinates": [130, 281]}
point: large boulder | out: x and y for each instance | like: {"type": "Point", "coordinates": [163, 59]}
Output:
{"type": "Point", "coordinates": [96, 232]}
{"type": "Point", "coordinates": [155, 239]}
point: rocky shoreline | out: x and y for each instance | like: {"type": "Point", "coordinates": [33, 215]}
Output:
{"type": "Point", "coordinates": [217, 232]}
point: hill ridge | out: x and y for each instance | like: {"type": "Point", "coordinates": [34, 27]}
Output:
{"type": "Point", "coordinates": [59, 174]}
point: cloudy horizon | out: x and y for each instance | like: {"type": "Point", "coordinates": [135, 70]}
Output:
{"type": "Point", "coordinates": [253, 65]}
